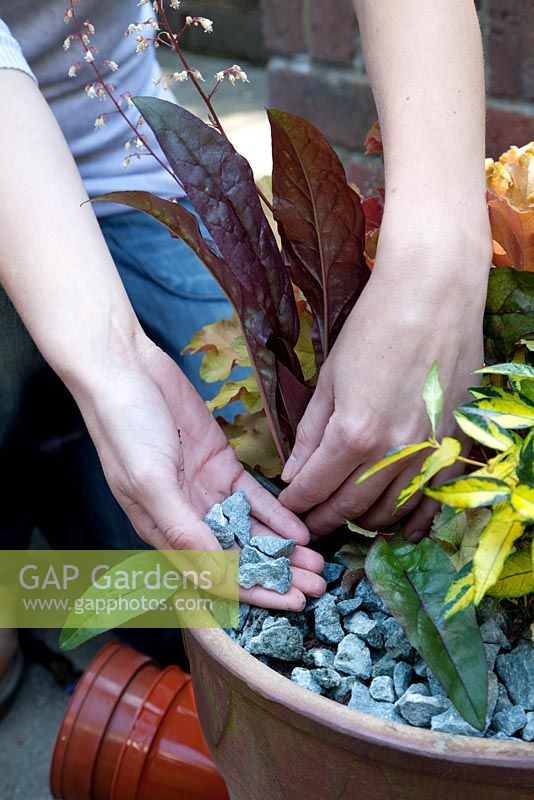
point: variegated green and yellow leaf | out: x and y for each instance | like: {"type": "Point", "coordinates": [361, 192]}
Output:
{"type": "Point", "coordinates": [394, 455]}
{"type": "Point", "coordinates": [445, 456]}
{"type": "Point", "coordinates": [461, 593]}
{"type": "Point", "coordinates": [517, 577]}
{"type": "Point", "coordinates": [490, 391]}
{"type": "Point", "coordinates": [512, 369]}
{"type": "Point", "coordinates": [494, 547]}
{"type": "Point", "coordinates": [508, 412]}
{"type": "Point", "coordinates": [483, 430]}
{"type": "Point", "coordinates": [522, 499]}
{"type": "Point", "coordinates": [525, 469]}
{"type": "Point", "coordinates": [433, 396]}
{"type": "Point", "coordinates": [470, 492]}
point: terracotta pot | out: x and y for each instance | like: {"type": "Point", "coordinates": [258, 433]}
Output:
{"type": "Point", "coordinates": [131, 732]}
{"type": "Point", "coordinates": [273, 740]}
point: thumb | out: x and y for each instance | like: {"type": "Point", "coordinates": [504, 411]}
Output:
{"type": "Point", "coordinates": [310, 430]}
{"type": "Point", "coordinates": [179, 523]}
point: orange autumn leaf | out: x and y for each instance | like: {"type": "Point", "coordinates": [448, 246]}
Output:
{"type": "Point", "coordinates": [510, 183]}
{"type": "Point", "coordinates": [514, 231]}
{"type": "Point", "coordinates": [512, 176]}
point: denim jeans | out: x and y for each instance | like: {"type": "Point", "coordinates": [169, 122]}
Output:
{"type": "Point", "coordinates": [52, 477]}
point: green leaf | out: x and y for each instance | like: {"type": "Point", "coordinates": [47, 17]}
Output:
{"type": "Point", "coordinates": [495, 545]}
{"type": "Point", "coordinates": [513, 369]}
{"type": "Point", "coordinates": [525, 469]}
{"type": "Point", "coordinates": [477, 519]}
{"type": "Point", "coordinates": [470, 492]}
{"type": "Point", "coordinates": [444, 456]}
{"type": "Point", "coordinates": [522, 499]}
{"type": "Point", "coordinates": [483, 430]}
{"type": "Point", "coordinates": [460, 533]}
{"type": "Point", "coordinates": [396, 454]}
{"type": "Point", "coordinates": [509, 314]}
{"type": "Point", "coordinates": [362, 531]}
{"type": "Point", "coordinates": [79, 628]}
{"type": "Point", "coordinates": [413, 581]}
{"type": "Point", "coordinates": [517, 577]}
{"type": "Point", "coordinates": [433, 396]}
{"type": "Point", "coordinates": [513, 411]}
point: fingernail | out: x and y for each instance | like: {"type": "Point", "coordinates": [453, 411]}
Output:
{"type": "Point", "coordinates": [289, 469]}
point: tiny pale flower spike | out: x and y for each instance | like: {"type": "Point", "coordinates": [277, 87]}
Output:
{"type": "Point", "coordinates": [100, 121]}
{"type": "Point", "coordinates": [89, 57]}
{"type": "Point", "coordinates": [67, 43]}
{"type": "Point", "coordinates": [133, 27]}
{"type": "Point", "coordinates": [90, 27]}
{"type": "Point", "coordinates": [180, 77]}
{"type": "Point", "coordinates": [111, 65]}
{"type": "Point", "coordinates": [73, 71]}
{"type": "Point", "coordinates": [175, 4]}
{"type": "Point", "coordinates": [205, 23]}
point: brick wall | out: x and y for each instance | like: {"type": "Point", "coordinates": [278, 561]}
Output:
{"type": "Point", "coordinates": [316, 69]}
{"type": "Point", "coordinates": [237, 28]}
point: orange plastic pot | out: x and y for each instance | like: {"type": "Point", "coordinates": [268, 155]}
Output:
{"type": "Point", "coordinates": [131, 732]}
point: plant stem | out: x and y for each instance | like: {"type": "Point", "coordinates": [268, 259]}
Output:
{"type": "Point", "coordinates": [116, 103]}
{"type": "Point", "coordinates": [471, 461]}
{"type": "Point", "coordinates": [175, 45]}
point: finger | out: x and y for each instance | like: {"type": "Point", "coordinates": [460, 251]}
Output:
{"type": "Point", "coordinates": [300, 557]}
{"type": "Point", "coordinates": [268, 510]}
{"type": "Point", "coordinates": [310, 429]}
{"type": "Point", "coordinates": [327, 468]}
{"type": "Point", "coordinates": [144, 525]}
{"type": "Point", "coordinates": [420, 521]}
{"type": "Point", "coordinates": [382, 513]}
{"type": "Point", "coordinates": [349, 502]}
{"type": "Point", "coordinates": [307, 559]}
{"type": "Point", "coordinates": [308, 582]}
{"type": "Point", "coordinates": [292, 600]}
{"type": "Point", "coordinates": [176, 519]}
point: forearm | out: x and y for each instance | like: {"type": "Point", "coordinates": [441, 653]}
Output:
{"type": "Point", "coordinates": [54, 262]}
{"type": "Point", "coordinates": [424, 60]}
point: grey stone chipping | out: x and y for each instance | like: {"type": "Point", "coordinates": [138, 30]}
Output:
{"type": "Point", "coordinates": [353, 658]}
{"type": "Point", "coordinates": [273, 546]}
{"type": "Point", "coordinates": [281, 640]}
{"type": "Point", "coordinates": [382, 688]}
{"type": "Point", "coordinates": [327, 621]}
{"type": "Point", "coordinates": [273, 574]}
{"type": "Point", "coordinates": [516, 670]}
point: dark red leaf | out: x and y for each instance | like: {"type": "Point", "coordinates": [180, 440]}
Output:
{"type": "Point", "coordinates": [256, 326]}
{"type": "Point", "coordinates": [321, 223]}
{"type": "Point", "coordinates": [220, 185]}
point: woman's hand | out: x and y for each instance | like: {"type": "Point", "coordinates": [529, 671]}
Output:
{"type": "Point", "coordinates": [167, 462]}
{"type": "Point", "coordinates": [424, 302]}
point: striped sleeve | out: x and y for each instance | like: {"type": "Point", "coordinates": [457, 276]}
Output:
{"type": "Point", "coordinates": [11, 56]}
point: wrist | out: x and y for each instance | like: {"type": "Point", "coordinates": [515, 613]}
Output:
{"type": "Point", "coordinates": [96, 363]}
{"type": "Point", "coordinates": [435, 243]}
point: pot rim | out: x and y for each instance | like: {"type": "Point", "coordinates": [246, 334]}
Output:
{"type": "Point", "coordinates": [272, 687]}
